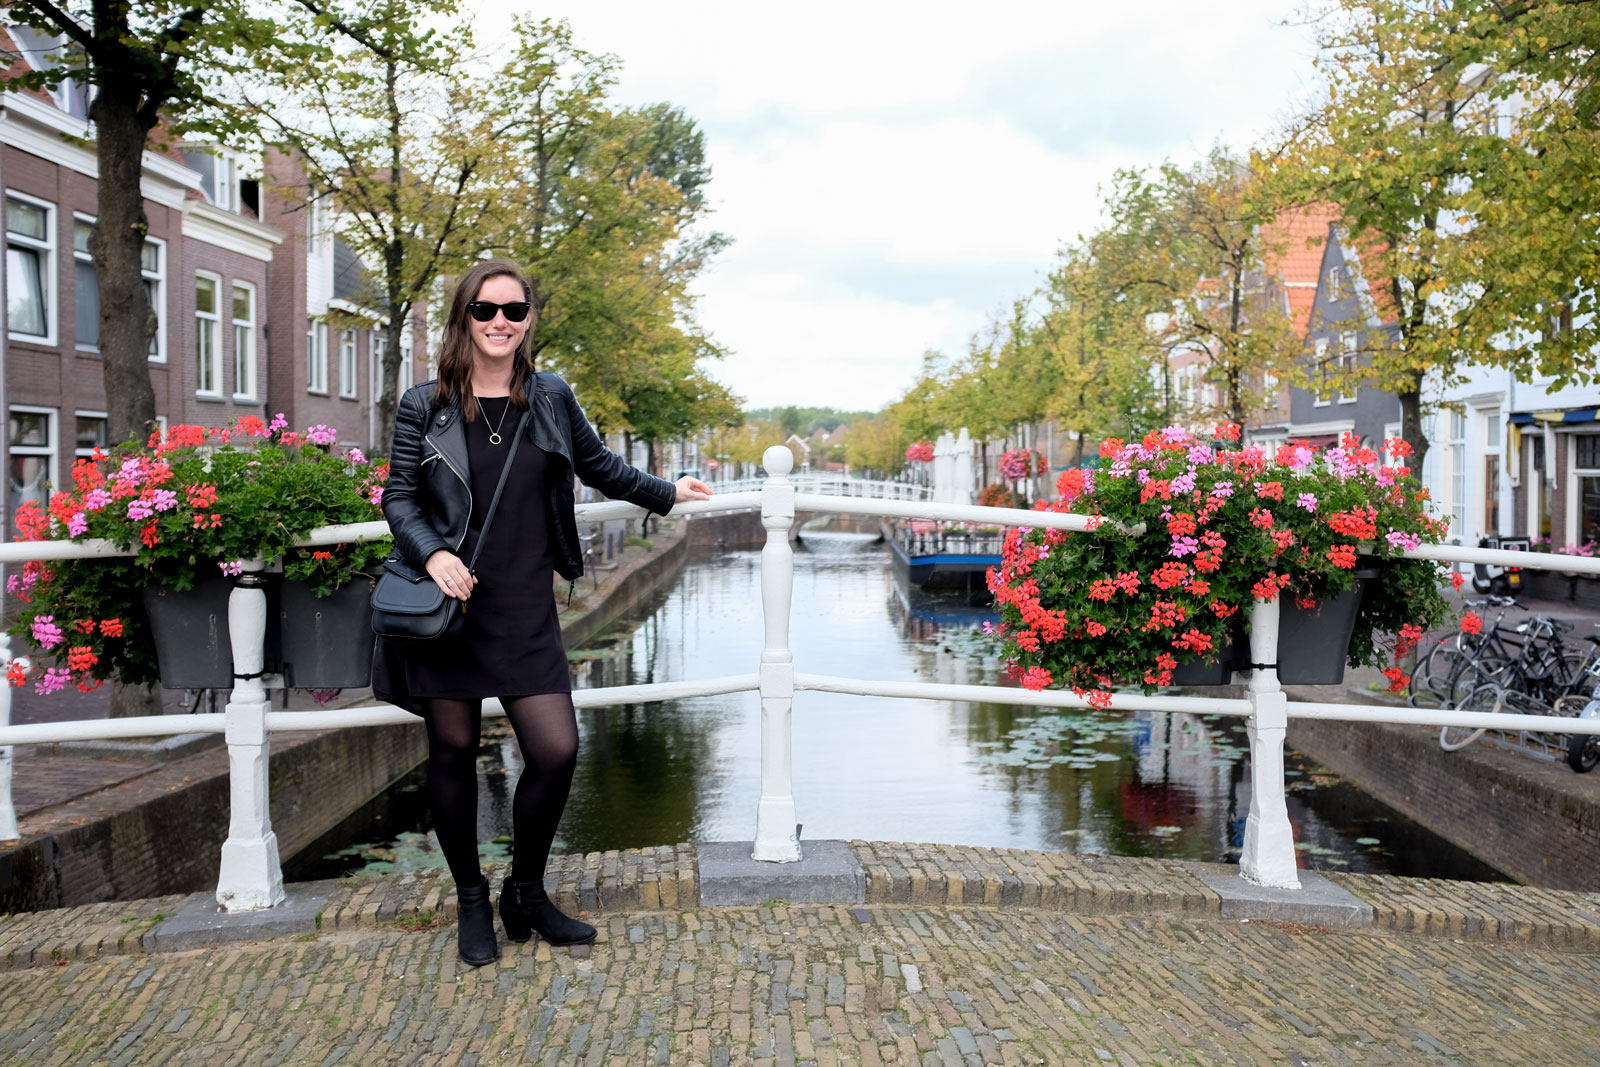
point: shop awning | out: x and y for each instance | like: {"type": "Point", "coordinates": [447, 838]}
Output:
{"type": "Point", "coordinates": [1528, 418]}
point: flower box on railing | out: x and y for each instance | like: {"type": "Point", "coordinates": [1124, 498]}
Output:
{"type": "Point", "coordinates": [189, 509]}
{"type": "Point", "coordinates": [1185, 534]}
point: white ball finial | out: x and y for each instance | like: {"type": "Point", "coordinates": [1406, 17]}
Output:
{"type": "Point", "coordinates": [777, 460]}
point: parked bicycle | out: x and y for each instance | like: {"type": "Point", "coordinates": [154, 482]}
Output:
{"type": "Point", "coordinates": [1528, 665]}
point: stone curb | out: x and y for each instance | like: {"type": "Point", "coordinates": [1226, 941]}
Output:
{"type": "Point", "coordinates": [667, 878]}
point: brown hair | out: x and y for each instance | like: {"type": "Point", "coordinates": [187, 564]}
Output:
{"type": "Point", "coordinates": [456, 350]}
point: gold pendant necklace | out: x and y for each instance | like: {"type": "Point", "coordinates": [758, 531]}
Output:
{"type": "Point", "coordinates": [494, 434]}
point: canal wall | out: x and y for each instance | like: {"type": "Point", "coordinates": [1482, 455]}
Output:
{"type": "Point", "coordinates": [1538, 822]}
{"type": "Point", "coordinates": [162, 832]}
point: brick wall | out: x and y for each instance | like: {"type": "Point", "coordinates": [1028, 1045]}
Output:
{"type": "Point", "coordinates": [167, 832]}
{"type": "Point", "coordinates": [1538, 822]}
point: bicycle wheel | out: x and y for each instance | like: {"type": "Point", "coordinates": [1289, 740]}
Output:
{"type": "Point", "coordinates": [1471, 674]}
{"type": "Point", "coordinates": [1583, 752]}
{"type": "Point", "coordinates": [1430, 682]}
{"type": "Point", "coordinates": [1485, 698]}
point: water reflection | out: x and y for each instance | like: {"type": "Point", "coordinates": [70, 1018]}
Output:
{"type": "Point", "coordinates": [984, 774]}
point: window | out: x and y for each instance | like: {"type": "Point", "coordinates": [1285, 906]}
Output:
{"type": "Point", "coordinates": [347, 363]}
{"type": "Point", "coordinates": [244, 342]}
{"type": "Point", "coordinates": [91, 433]}
{"type": "Point", "coordinates": [316, 358]}
{"type": "Point", "coordinates": [85, 289]}
{"type": "Point", "coordinates": [1348, 345]}
{"type": "Point", "coordinates": [1458, 473]}
{"type": "Point", "coordinates": [152, 262]}
{"type": "Point", "coordinates": [1319, 373]}
{"type": "Point", "coordinates": [30, 281]}
{"type": "Point", "coordinates": [33, 457]}
{"type": "Point", "coordinates": [405, 357]}
{"type": "Point", "coordinates": [1588, 446]}
{"type": "Point", "coordinates": [207, 336]}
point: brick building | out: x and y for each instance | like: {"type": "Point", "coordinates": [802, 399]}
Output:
{"type": "Point", "coordinates": [259, 304]}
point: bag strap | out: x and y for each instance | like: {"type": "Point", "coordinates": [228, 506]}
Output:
{"type": "Point", "coordinates": [505, 472]}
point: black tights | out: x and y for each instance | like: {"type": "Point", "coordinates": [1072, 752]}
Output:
{"type": "Point", "coordinates": [547, 732]}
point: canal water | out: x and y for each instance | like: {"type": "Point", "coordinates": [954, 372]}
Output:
{"type": "Point", "coordinates": [1143, 784]}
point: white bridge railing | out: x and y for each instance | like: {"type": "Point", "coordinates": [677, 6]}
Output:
{"type": "Point", "coordinates": [833, 485]}
{"type": "Point", "coordinates": [250, 875]}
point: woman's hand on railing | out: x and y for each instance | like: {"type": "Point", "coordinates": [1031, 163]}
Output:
{"type": "Point", "coordinates": [691, 489]}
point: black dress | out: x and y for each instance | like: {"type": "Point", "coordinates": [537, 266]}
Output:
{"type": "Point", "coordinates": [511, 645]}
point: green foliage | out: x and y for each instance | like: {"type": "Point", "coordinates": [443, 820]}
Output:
{"type": "Point", "coordinates": [600, 209]}
{"type": "Point", "coordinates": [808, 419]}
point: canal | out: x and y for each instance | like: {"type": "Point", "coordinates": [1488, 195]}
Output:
{"type": "Point", "coordinates": [1144, 784]}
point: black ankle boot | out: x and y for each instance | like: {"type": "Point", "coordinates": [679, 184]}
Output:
{"type": "Point", "coordinates": [525, 908]}
{"type": "Point", "coordinates": [475, 919]}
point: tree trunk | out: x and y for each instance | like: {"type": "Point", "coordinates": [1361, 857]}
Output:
{"type": "Point", "coordinates": [127, 322]}
{"type": "Point", "coordinates": [1411, 425]}
{"type": "Point", "coordinates": [388, 400]}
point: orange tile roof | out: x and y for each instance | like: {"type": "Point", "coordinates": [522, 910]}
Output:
{"type": "Point", "coordinates": [1293, 244]}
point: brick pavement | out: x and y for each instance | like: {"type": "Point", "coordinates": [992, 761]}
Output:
{"type": "Point", "coordinates": [961, 956]}
{"type": "Point", "coordinates": [934, 986]}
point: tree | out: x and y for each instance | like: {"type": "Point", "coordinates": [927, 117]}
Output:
{"type": "Point", "coordinates": [372, 108]}
{"type": "Point", "coordinates": [1103, 350]}
{"type": "Point", "coordinates": [1199, 238]}
{"type": "Point", "coordinates": [154, 65]}
{"type": "Point", "coordinates": [602, 218]}
{"type": "Point", "coordinates": [1477, 241]}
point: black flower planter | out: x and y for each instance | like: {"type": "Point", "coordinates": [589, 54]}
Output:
{"type": "Point", "coordinates": [327, 641]}
{"type": "Point", "coordinates": [1314, 642]}
{"type": "Point", "coordinates": [316, 643]}
{"type": "Point", "coordinates": [1202, 672]}
{"type": "Point", "coordinates": [190, 630]}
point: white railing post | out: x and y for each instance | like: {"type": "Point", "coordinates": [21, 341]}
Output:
{"type": "Point", "coordinates": [777, 833]}
{"type": "Point", "coordinates": [1269, 856]}
{"type": "Point", "coordinates": [251, 877]}
{"type": "Point", "coordinates": [8, 810]}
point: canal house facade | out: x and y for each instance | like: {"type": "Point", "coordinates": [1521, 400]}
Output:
{"type": "Point", "coordinates": [260, 307]}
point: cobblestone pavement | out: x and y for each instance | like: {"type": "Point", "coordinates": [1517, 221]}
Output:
{"type": "Point", "coordinates": [937, 987]}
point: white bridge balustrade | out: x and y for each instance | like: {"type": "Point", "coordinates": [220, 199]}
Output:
{"type": "Point", "coordinates": [250, 875]}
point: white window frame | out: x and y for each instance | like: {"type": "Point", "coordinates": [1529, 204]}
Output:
{"type": "Point", "coordinates": [244, 345]}
{"type": "Point", "coordinates": [51, 451]}
{"type": "Point", "coordinates": [47, 267]}
{"type": "Point", "coordinates": [81, 257]}
{"type": "Point", "coordinates": [407, 354]}
{"type": "Point", "coordinates": [1486, 418]}
{"type": "Point", "coordinates": [1347, 361]}
{"type": "Point", "coordinates": [1457, 443]}
{"type": "Point", "coordinates": [349, 370]}
{"type": "Point", "coordinates": [159, 276]}
{"type": "Point", "coordinates": [1319, 358]}
{"type": "Point", "coordinates": [214, 319]}
{"type": "Point", "coordinates": [80, 414]}
{"type": "Point", "coordinates": [316, 357]}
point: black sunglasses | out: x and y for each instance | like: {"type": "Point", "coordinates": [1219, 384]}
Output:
{"type": "Point", "coordinates": [484, 311]}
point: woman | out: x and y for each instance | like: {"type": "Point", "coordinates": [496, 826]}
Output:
{"type": "Point", "coordinates": [451, 440]}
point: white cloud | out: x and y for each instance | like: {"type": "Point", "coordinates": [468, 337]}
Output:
{"type": "Point", "coordinates": [892, 173]}
{"type": "Point", "coordinates": [801, 345]}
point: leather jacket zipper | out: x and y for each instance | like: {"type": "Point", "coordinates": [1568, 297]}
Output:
{"type": "Point", "coordinates": [439, 454]}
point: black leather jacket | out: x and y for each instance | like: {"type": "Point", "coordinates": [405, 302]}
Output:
{"type": "Point", "coordinates": [429, 496]}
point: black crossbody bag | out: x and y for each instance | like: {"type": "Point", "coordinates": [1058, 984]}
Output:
{"type": "Point", "coordinates": [408, 607]}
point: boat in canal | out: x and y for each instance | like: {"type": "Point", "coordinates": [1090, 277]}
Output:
{"type": "Point", "coordinates": [944, 555]}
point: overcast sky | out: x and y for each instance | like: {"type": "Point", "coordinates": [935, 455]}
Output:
{"type": "Point", "coordinates": [894, 174]}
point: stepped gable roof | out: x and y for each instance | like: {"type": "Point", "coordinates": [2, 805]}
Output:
{"type": "Point", "coordinates": [1294, 244]}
